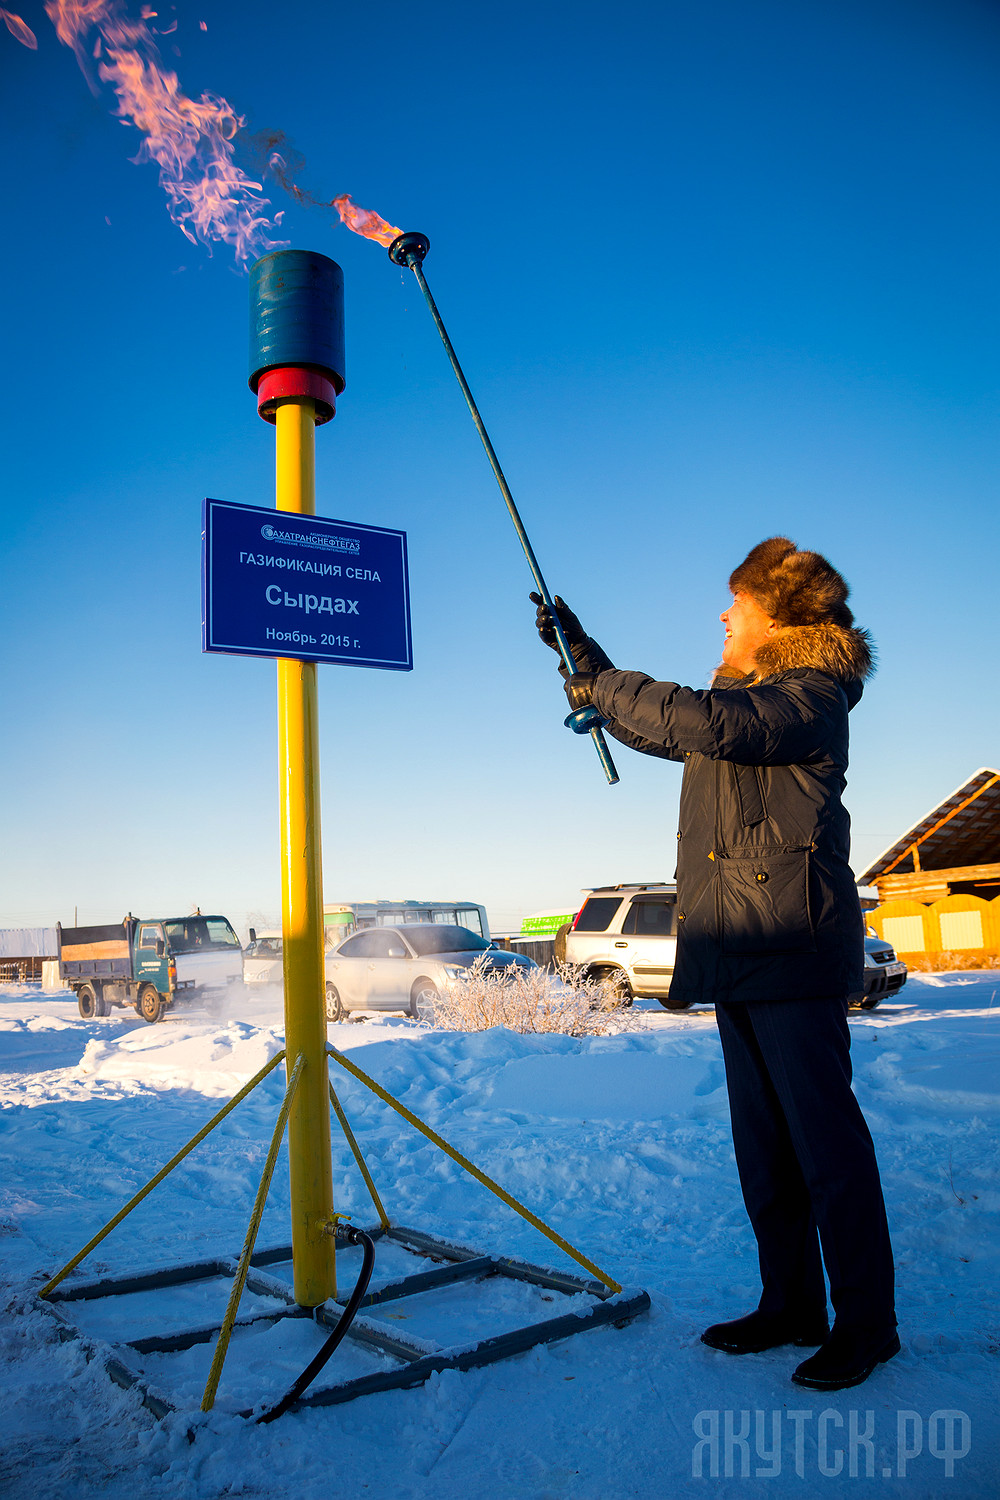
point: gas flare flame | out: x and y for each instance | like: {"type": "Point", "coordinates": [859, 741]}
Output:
{"type": "Point", "coordinates": [17, 28]}
{"type": "Point", "coordinates": [365, 221]}
{"type": "Point", "coordinates": [209, 197]}
{"type": "Point", "coordinates": [191, 140]}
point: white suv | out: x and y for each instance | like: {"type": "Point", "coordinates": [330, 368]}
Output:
{"type": "Point", "coordinates": [628, 934]}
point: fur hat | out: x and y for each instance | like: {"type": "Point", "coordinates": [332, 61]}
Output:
{"type": "Point", "coordinates": [792, 587]}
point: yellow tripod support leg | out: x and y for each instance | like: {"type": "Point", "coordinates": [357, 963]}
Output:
{"type": "Point", "coordinates": [153, 1182]}
{"type": "Point", "coordinates": [240, 1280]}
{"type": "Point", "coordinates": [473, 1170]}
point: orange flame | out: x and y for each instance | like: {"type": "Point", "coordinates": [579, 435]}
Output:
{"type": "Point", "coordinates": [17, 28]}
{"type": "Point", "coordinates": [208, 197]}
{"type": "Point", "coordinates": [365, 221]}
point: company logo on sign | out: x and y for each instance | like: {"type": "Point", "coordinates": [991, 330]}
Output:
{"type": "Point", "coordinates": [312, 539]}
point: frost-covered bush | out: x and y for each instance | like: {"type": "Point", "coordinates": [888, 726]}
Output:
{"type": "Point", "coordinates": [527, 1000]}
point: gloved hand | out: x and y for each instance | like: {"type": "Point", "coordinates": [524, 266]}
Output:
{"type": "Point", "coordinates": [580, 689]}
{"type": "Point", "coordinates": [572, 629]}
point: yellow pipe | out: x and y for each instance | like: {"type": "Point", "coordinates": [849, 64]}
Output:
{"type": "Point", "coordinates": [309, 1158]}
{"type": "Point", "coordinates": [463, 1161]}
{"type": "Point", "coordinates": [362, 1164]}
{"type": "Point", "coordinates": [240, 1281]}
{"type": "Point", "coordinates": [163, 1172]}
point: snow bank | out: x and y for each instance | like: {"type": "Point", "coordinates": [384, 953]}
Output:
{"type": "Point", "coordinates": [213, 1062]}
{"type": "Point", "coordinates": [651, 1083]}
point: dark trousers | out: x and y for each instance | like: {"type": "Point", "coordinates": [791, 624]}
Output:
{"type": "Point", "coordinates": [806, 1161]}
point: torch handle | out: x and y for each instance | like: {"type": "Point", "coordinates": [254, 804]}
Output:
{"type": "Point", "coordinates": [562, 643]}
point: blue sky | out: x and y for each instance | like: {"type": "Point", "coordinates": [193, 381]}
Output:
{"type": "Point", "coordinates": [715, 271]}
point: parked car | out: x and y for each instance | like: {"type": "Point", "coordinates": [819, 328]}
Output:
{"type": "Point", "coordinates": [628, 934]}
{"type": "Point", "coordinates": [407, 967]}
{"type": "Point", "coordinates": [885, 974]}
{"type": "Point", "coordinates": [262, 958]}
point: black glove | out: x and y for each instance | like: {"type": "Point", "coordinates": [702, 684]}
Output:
{"type": "Point", "coordinates": [544, 624]}
{"type": "Point", "coordinates": [580, 689]}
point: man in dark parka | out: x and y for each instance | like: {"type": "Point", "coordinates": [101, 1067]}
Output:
{"type": "Point", "coordinates": [770, 931]}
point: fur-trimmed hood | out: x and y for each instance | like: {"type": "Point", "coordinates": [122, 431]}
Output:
{"type": "Point", "coordinates": [845, 652]}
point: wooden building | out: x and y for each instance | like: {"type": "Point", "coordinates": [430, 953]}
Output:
{"type": "Point", "coordinates": [939, 883]}
{"type": "Point", "coordinates": [27, 954]}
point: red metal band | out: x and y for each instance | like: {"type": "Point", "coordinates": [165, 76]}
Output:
{"type": "Point", "coordinates": [291, 382]}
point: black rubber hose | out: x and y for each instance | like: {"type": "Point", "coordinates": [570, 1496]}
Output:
{"type": "Point", "coordinates": [354, 1237]}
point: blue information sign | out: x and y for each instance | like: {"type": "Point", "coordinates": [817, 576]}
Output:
{"type": "Point", "coordinates": [276, 583]}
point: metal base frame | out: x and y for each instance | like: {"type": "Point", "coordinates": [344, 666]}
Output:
{"type": "Point", "coordinates": [416, 1365]}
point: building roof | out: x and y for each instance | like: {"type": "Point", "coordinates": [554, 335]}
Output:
{"type": "Point", "coordinates": [28, 942]}
{"type": "Point", "coordinates": [964, 829]}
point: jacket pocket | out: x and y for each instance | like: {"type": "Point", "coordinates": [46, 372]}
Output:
{"type": "Point", "coordinates": [765, 901]}
{"type": "Point", "coordinates": [750, 794]}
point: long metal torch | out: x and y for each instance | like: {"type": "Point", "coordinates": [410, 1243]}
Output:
{"type": "Point", "coordinates": [409, 250]}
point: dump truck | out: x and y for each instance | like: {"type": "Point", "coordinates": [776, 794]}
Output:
{"type": "Point", "coordinates": [151, 963]}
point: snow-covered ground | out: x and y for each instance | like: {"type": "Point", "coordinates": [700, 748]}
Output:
{"type": "Point", "coordinates": [621, 1142]}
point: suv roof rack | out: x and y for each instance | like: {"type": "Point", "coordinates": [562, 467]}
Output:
{"type": "Point", "coordinates": [633, 885]}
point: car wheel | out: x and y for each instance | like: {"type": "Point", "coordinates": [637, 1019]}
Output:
{"type": "Point", "coordinates": [334, 1004]}
{"type": "Point", "coordinates": [424, 1000]}
{"type": "Point", "coordinates": [622, 987]}
{"type": "Point", "coordinates": [870, 1002]}
{"type": "Point", "coordinates": [619, 982]}
{"type": "Point", "coordinates": [669, 1004]}
{"type": "Point", "coordinates": [86, 999]}
{"type": "Point", "coordinates": [150, 1004]}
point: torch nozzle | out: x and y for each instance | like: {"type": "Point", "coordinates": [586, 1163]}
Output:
{"type": "Point", "coordinates": [409, 249]}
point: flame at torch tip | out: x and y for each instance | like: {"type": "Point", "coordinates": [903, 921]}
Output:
{"type": "Point", "coordinates": [280, 158]}
{"type": "Point", "coordinates": [19, 29]}
{"type": "Point", "coordinates": [209, 198]}
{"type": "Point", "coordinates": [365, 221]}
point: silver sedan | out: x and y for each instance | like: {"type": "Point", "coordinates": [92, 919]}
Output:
{"type": "Point", "coordinates": [407, 967]}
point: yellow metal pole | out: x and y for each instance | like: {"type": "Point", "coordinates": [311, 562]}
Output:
{"type": "Point", "coordinates": [309, 1155]}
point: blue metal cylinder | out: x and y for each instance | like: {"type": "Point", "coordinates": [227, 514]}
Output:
{"type": "Point", "coordinates": [297, 314]}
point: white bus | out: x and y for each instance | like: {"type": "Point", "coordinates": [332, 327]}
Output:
{"type": "Point", "coordinates": [262, 962]}
{"type": "Point", "coordinates": [342, 918]}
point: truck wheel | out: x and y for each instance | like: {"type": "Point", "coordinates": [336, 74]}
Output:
{"type": "Point", "coordinates": [150, 1004]}
{"type": "Point", "coordinates": [86, 999]}
{"type": "Point", "coordinates": [334, 1004]}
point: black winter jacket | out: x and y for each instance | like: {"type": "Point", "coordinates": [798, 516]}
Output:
{"type": "Point", "coordinates": [767, 904]}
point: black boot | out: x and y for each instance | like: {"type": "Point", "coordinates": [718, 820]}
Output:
{"type": "Point", "coordinates": [759, 1331]}
{"type": "Point", "coordinates": [847, 1358]}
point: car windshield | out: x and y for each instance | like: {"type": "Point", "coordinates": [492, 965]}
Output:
{"type": "Point", "coordinates": [443, 939]}
{"type": "Point", "coordinates": [266, 948]}
{"type": "Point", "coordinates": [200, 935]}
